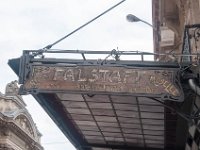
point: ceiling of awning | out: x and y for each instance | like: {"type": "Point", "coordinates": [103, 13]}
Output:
{"type": "Point", "coordinates": [118, 120]}
{"type": "Point", "coordinates": [111, 122]}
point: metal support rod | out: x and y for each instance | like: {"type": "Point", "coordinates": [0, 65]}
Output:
{"type": "Point", "coordinates": [49, 46]}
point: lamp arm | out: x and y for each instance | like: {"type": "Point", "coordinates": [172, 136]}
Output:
{"type": "Point", "coordinates": [148, 24]}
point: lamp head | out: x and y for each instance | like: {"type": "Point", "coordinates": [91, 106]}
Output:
{"type": "Point", "coordinates": [132, 18]}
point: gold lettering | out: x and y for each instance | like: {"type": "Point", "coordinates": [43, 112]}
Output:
{"type": "Point", "coordinates": [149, 90]}
{"type": "Point", "coordinates": [168, 87]}
{"type": "Point", "coordinates": [82, 87]}
{"type": "Point", "coordinates": [175, 92]}
{"type": "Point", "coordinates": [85, 87]}
{"type": "Point", "coordinates": [94, 75]}
{"type": "Point", "coordinates": [115, 75]}
{"type": "Point", "coordinates": [80, 78]}
{"type": "Point", "coordinates": [69, 75]}
{"type": "Point", "coordinates": [131, 76]}
{"type": "Point", "coordinates": [127, 75]}
{"type": "Point", "coordinates": [156, 81]}
{"type": "Point", "coordinates": [58, 74]}
{"type": "Point", "coordinates": [103, 73]}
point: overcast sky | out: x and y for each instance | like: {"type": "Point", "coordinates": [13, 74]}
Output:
{"type": "Point", "coordinates": [33, 24]}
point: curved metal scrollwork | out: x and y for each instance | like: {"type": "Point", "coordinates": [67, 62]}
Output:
{"type": "Point", "coordinates": [191, 42]}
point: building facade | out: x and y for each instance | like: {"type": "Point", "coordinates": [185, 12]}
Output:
{"type": "Point", "coordinates": [171, 18]}
{"type": "Point", "coordinates": [176, 35]}
{"type": "Point", "coordinates": [17, 129]}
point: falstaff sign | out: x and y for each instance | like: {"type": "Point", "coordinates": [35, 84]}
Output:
{"type": "Point", "coordinates": [103, 79]}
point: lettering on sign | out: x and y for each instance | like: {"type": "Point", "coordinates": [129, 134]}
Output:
{"type": "Point", "coordinates": [103, 79]}
{"type": "Point", "coordinates": [96, 75]}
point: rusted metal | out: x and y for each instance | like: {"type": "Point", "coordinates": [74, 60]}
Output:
{"type": "Point", "coordinates": [104, 79]}
{"type": "Point", "coordinates": [110, 104]}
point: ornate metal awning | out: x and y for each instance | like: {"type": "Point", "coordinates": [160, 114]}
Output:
{"type": "Point", "coordinates": [108, 104]}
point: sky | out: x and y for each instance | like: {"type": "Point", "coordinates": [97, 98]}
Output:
{"type": "Point", "coordinates": [34, 24]}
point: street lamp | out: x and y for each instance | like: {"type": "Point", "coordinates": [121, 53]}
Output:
{"type": "Point", "coordinates": [132, 18]}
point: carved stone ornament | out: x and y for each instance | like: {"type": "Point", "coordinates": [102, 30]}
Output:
{"type": "Point", "coordinates": [12, 88]}
{"type": "Point", "coordinates": [23, 122]}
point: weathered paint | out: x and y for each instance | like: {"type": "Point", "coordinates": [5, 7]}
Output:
{"type": "Point", "coordinates": [103, 79]}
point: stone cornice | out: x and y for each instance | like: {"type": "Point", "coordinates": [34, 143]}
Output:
{"type": "Point", "coordinates": [20, 103]}
{"type": "Point", "coordinates": [12, 126]}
